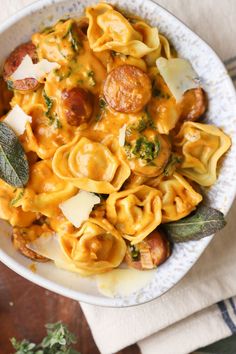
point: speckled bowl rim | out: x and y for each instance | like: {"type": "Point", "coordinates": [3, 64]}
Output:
{"type": "Point", "coordinates": [61, 289]}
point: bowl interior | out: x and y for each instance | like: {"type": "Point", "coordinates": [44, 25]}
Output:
{"type": "Point", "coordinates": [222, 112]}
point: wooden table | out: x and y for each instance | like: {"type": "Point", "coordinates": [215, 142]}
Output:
{"type": "Point", "coordinates": [26, 307]}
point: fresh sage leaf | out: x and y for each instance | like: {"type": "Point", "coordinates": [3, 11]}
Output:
{"type": "Point", "coordinates": [204, 222]}
{"type": "Point", "coordinates": [14, 167]}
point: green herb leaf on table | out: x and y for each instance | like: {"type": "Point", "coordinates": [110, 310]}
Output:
{"type": "Point", "coordinates": [58, 341]}
{"type": "Point", "coordinates": [14, 167]}
{"type": "Point", "coordinates": [204, 222]}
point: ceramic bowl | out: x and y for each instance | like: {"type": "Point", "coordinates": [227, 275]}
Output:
{"type": "Point", "coordinates": [222, 112]}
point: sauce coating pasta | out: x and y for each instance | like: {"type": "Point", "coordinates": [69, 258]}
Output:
{"type": "Point", "coordinates": [105, 120]}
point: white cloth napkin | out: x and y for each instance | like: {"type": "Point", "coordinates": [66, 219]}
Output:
{"type": "Point", "coordinates": [193, 313]}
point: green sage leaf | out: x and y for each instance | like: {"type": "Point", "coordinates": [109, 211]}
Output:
{"type": "Point", "coordinates": [204, 222]}
{"type": "Point", "coordinates": [14, 167]}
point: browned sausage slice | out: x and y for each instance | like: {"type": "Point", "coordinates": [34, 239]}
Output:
{"type": "Point", "coordinates": [127, 89]}
{"type": "Point", "coordinates": [5, 98]}
{"type": "Point", "coordinates": [14, 60]}
{"type": "Point", "coordinates": [193, 104]}
{"type": "Point", "coordinates": [77, 105]}
{"type": "Point", "coordinates": [151, 252]}
{"type": "Point", "coordinates": [20, 244]}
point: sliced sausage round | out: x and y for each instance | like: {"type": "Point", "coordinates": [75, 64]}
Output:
{"type": "Point", "coordinates": [14, 60]}
{"type": "Point", "coordinates": [77, 105]}
{"type": "Point", "coordinates": [150, 253]}
{"type": "Point", "coordinates": [127, 89]}
{"type": "Point", "coordinates": [193, 104]}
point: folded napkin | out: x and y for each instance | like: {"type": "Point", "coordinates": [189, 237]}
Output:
{"type": "Point", "coordinates": [193, 313]}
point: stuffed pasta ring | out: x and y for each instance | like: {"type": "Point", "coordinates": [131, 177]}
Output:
{"type": "Point", "coordinates": [135, 212]}
{"type": "Point", "coordinates": [96, 248]}
{"type": "Point", "coordinates": [93, 162]}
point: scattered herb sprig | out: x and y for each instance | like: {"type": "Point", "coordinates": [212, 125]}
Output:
{"type": "Point", "coordinates": [58, 341]}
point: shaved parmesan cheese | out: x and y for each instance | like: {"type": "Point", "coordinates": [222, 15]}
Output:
{"type": "Point", "coordinates": [178, 74]}
{"type": "Point", "coordinates": [78, 208]}
{"type": "Point", "coordinates": [48, 246]}
{"type": "Point", "coordinates": [27, 69]}
{"type": "Point", "coordinates": [17, 119]}
{"type": "Point", "coordinates": [122, 132]}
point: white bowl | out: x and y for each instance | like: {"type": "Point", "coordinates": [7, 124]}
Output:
{"type": "Point", "coordinates": [222, 112]}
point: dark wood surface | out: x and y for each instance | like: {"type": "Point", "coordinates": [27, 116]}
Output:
{"type": "Point", "coordinates": [26, 307]}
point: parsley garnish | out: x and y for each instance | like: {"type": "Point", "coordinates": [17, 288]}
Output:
{"type": "Point", "coordinates": [156, 92]}
{"type": "Point", "coordinates": [17, 197]}
{"type": "Point", "coordinates": [92, 81]}
{"type": "Point", "coordinates": [49, 103]}
{"type": "Point", "coordinates": [171, 164]}
{"type": "Point", "coordinates": [57, 341]}
{"type": "Point", "coordinates": [102, 105]}
{"type": "Point", "coordinates": [10, 85]}
{"type": "Point", "coordinates": [102, 196]}
{"type": "Point", "coordinates": [73, 38]}
{"type": "Point", "coordinates": [144, 123]}
{"type": "Point", "coordinates": [135, 254]}
{"type": "Point", "coordinates": [145, 149]}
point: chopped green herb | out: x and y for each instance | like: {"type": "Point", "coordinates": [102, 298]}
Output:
{"type": "Point", "coordinates": [156, 92]}
{"type": "Point", "coordinates": [171, 164]}
{"type": "Point", "coordinates": [102, 105]}
{"type": "Point", "coordinates": [73, 38]}
{"type": "Point", "coordinates": [92, 81]}
{"type": "Point", "coordinates": [10, 85]}
{"type": "Point", "coordinates": [58, 124]}
{"type": "Point", "coordinates": [17, 197]}
{"type": "Point", "coordinates": [135, 254]}
{"type": "Point", "coordinates": [49, 103]}
{"type": "Point", "coordinates": [62, 75]}
{"type": "Point", "coordinates": [144, 123]}
{"type": "Point", "coordinates": [145, 149]}
{"type": "Point", "coordinates": [48, 30]}
{"type": "Point", "coordinates": [102, 196]}
{"type": "Point", "coordinates": [113, 53]}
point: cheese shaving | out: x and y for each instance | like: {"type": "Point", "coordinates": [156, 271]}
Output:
{"type": "Point", "coordinates": [78, 208]}
{"type": "Point", "coordinates": [178, 74]}
{"type": "Point", "coordinates": [17, 120]}
{"type": "Point", "coordinates": [27, 69]}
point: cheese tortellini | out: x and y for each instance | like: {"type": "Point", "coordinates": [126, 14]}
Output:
{"type": "Point", "coordinates": [111, 141]}
{"type": "Point", "coordinates": [135, 212]}
{"type": "Point", "coordinates": [45, 191]}
{"type": "Point", "coordinates": [96, 248]}
{"type": "Point", "coordinates": [178, 198]}
{"type": "Point", "coordinates": [93, 162]}
{"type": "Point", "coordinates": [202, 146]}
{"type": "Point", "coordinates": [109, 29]}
